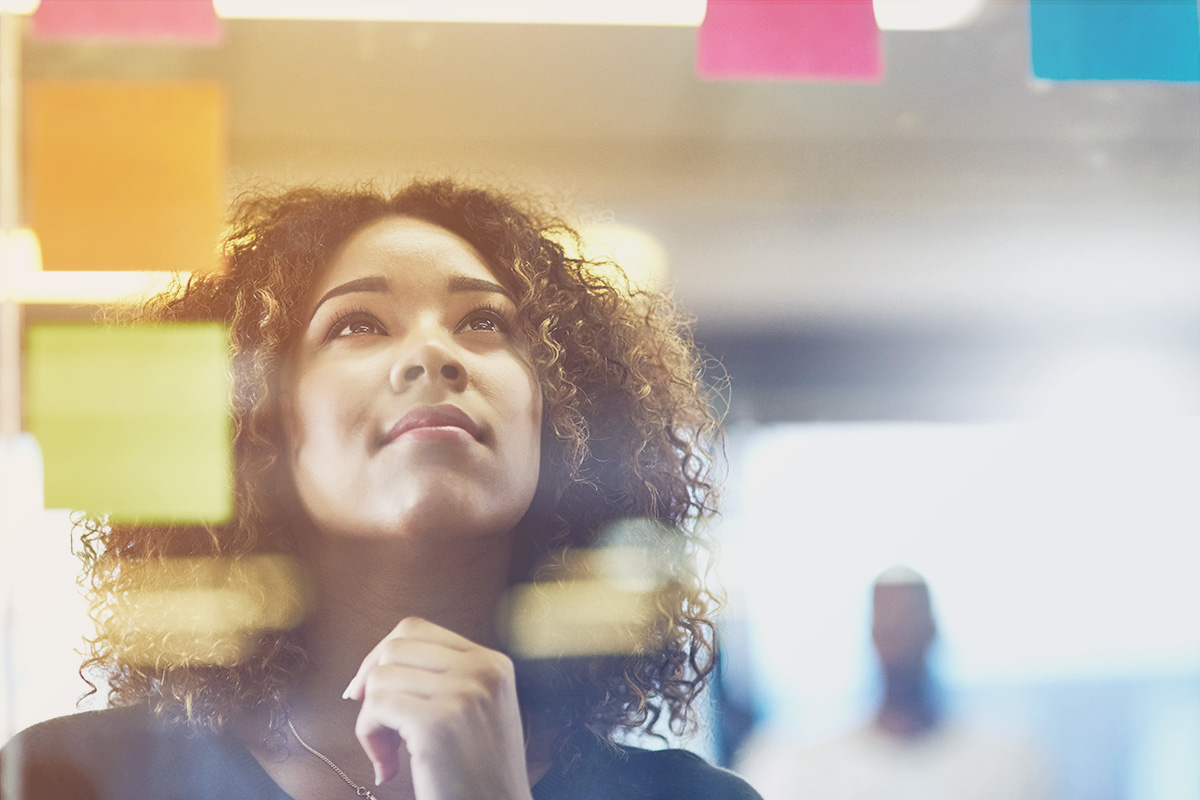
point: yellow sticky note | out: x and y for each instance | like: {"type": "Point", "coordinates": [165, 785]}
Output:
{"type": "Point", "coordinates": [133, 421]}
{"type": "Point", "coordinates": [125, 174]}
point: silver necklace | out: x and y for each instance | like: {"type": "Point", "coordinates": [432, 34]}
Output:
{"type": "Point", "coordinates": [361, 791]}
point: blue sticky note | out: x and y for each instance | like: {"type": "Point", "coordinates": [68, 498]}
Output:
{"type": "Point", "coordinates": [1115, 40]}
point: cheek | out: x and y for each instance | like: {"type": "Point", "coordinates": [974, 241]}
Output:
{"type": "Point", "coordinates": [535, 438]}
{"type": "Point", "coordinates": [298, 438]}
{"type": "Point", "coordinates": [532, 404]}
{"type": "Point", "coordinates": [299, 421]}
{"type": "Point", "coordinates": [312, 418]}
{"type": "Point", "coordinates": [518, 404]}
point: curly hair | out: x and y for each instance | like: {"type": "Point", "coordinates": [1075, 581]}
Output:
{"type": "Point", "coordinates": [628, 432]}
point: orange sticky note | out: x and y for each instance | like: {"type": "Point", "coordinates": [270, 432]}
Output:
{"type": "Point", "coordinates": [125, 175]}
{"type": "Point", "coordinates": [168, 21]}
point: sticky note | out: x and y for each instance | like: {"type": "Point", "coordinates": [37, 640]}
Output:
{"type": "Point", "coordinates": [816, 40]}
{"type": "Point", "coordinates": [125, 174]}
{"type": "Point", "coordinates": [192, 611]}
{"type": "Point", "coordinates": [167, 21]}
{"type": "Point", "coordinates": [1115, 40]}
{"type": "Point", "coordinates": [133, 421]}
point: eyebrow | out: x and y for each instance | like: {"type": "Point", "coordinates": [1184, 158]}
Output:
{"type": "Point", "coordinates": [461, 283]}
{"type": "Point", "coordinates": [378, 283]}
{"type": "Point", "coordinates": [372, 283]}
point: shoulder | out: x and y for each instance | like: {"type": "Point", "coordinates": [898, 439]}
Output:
{"type": "Point", "coordinates": [680, 773]}
{"type": "Point", "coordinates": [88, 737]}
{"type": "Point", "coordinates": [604, 770]}
{"type": "Point", "coordinates": [117, 753]}
{"type": "Point", "coordinates": [68, 756]}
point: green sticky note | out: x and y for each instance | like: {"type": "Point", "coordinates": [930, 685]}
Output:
{"type": "Point", "coordinates": [133, 421]}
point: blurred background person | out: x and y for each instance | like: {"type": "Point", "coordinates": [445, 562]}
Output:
{"type": "Point", "coordinates": [911, 748]}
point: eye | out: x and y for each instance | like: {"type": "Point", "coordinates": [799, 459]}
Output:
{"type": "Point", "coordinates": [355, 323]}
{"type": "Point", "coordinates": [483, 324]}
{"type": "Point", "coordinates": [487, 319]}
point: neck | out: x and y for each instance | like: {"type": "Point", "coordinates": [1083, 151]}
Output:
{"type": "Point", "coordinates": [361, 589]}
{"type": "Point", "coordinates": [909, 707]}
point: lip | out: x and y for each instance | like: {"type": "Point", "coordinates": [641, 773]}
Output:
{"type": "Point", "coordinates": [439, 416]}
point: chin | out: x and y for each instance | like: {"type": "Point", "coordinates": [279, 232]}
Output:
{"type": "Point", "coordinates": [429, 505]}
{"type": "Point", "coordinates": [430, 519]}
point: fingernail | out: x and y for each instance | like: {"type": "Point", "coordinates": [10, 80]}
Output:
{"type": "Point", "coordinates": [378, 776]}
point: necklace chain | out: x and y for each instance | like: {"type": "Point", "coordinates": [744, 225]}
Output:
{"type": "Point", "coordinates": [361, 791]}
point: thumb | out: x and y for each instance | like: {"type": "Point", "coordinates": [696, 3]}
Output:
{"type": "Point", "coordinates": [382, 745]}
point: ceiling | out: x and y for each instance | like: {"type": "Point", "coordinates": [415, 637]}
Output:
{"type": "Point", "coordinates": [849, 250]}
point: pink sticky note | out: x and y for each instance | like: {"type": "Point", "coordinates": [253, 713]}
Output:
{"type": "Point", "coordinates": [175, 21]}
{"type": "Point", "coordinates": [824, 40]}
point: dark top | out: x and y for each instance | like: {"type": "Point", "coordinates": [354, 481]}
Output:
{"type": "Point", "coordinates": [125, 754]}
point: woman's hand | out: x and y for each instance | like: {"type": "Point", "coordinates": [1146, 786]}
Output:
{"type": "Point", "coordinates": [452, 704]}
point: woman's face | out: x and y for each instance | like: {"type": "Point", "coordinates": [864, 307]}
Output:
{"type": "Point", "coordinates": [411, 407]}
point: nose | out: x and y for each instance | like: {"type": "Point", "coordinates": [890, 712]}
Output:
{"type": "Point", "coordinates": [427, 359]}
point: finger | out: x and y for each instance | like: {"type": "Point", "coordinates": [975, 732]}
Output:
{"type": "Point", "coordinates": [423, 630]}
{"type": "Point", "coordinates": [354, 689]}
{"type": "Point", "coordinates": [407, 701]}
{"type": "Point", "coordinates": [382, 745]}
{"type": "Point", "coordinates": [388, 680]}
{"type": "Point", "coordinates": [380, 728]}
{"type": "Point", "coordinates": [412, 653]}
{"type": "Point", "coordinates": [402, 652]}
{"type": "Point", "coordinates": [412, 629]}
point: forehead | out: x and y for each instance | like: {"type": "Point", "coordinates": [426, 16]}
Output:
{"type": "Point", "coordinates": [401, 248]}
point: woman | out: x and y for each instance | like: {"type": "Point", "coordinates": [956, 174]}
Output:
{"type": "Point", "coordinates": [433, 403]}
